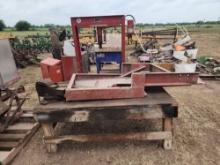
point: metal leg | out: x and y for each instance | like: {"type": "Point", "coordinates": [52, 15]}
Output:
{"type": "Point", "coordinates": [49, 132]}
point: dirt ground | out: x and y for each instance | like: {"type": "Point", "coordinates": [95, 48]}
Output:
{"type": "Point", "coordinates": [197, 129]}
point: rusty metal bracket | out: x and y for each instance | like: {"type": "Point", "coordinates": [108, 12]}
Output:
{"type": "Point", "coordinates": [105, 86]}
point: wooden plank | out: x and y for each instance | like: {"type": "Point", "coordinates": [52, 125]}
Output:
{"type": "Point", "coordinates": [3, 108]}
{"type": "Point", "coordinates": [8, 137]}
{"type": "Point", "coordinates": [8, 145]}
{"type": "Point", "coordinates": [27, 119]}
{"type": "Point", "coordinates": [167, 126]}
{"type": "Point", "coordinates": [110, 137]}
{"type": "Point", "coordinates": [49, 132]}
{"type": "Point", "coordinates": [134, 113]}
{"type": "Point", "coordinates": [27, 115]}
{"type": "Point", "coordinates": [155, 113]}
{"type": "Point", "coordinates": [21, 145]}
{"type": "Point", "coordinates": [20, 126]}
{"type": "Point", "coordinates": [158, 98]}
{"type": "Point", "coordinates": [26, 109]}
{"type": "Point", "coordinates": [4, 155]}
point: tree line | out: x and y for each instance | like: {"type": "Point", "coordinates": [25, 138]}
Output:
{"type": "Point", "coordinates": [181, 23]}
{"type": "Point", "coordinates": [23, 25]}
{"type": "Point", "coordinates": [19, 26]}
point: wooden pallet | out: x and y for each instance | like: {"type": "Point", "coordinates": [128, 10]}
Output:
{"type": "Point", "coordinates": [16, 136]}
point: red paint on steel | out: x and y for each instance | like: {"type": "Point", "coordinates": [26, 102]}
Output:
{"type": "Point", "coordinates": [170, 79]}
{"type": "Point", "coordinates": [51, 68]}
{"type": "Point", "coordinates": [135, 90]}
{"type": "Point", "coordinates": [99, 34]}
{"type": "Point", "coordinates": [123, 39]}
{"type": "Point", "coordinates": [129, 67]}
{"type": "Point", "coordinates": [130, 23]}
{"type": "Point", "coordinates": [103, 94]}
{"type": "Point", "coordinates": [77, 48]}
{"type": "Point", "coordinates": [109, 86]}
{"type": "Point", "coordinates": [69, 66]}
{"type": "Point", "coordinates": [96, 21]}
{"type": "Point", "coordinates": [55, 73]}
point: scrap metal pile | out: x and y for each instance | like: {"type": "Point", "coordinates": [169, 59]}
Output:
{"type": "Point", "coordinates": [208, 67]}
{"type": "Point", "coordinates": [175, 44]}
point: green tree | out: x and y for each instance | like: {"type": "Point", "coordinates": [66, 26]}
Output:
{"type": "Point", "coordinates": [22, 26]}
{"type": "Point", "coordinates": [2, 25]}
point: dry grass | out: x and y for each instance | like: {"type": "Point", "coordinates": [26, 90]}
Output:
{"type": "Point", "coordinates": [208, 41]}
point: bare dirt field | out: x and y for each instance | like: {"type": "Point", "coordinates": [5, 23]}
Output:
{"type": "Point", "coordinates": [197, 129]}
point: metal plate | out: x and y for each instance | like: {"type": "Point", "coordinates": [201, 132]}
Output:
{"type": "Point", "coordinates": [8, 69]}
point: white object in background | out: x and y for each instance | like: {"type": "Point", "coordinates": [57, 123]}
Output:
{"type": "Point", "coordinates": [113, 40]}
{"type": "Point", "coordinates": [152, 51]}
{"type": "Point", "coordinates": [192, 53]}
{"type": "Point", "coordinates": [185, 68]}
{"type": "Point", "coordinates": [130, 30]}
{"type": "Point", "coordinates": [180, 55]}
{"type": "Point", "coordinates": [68, 48]}
{"type": "Point", "coordinates": [166, 48]}
{"type": "Point", "coordinates": [182, 41]}
{"type": "Point", "coordinates": [144, 58]}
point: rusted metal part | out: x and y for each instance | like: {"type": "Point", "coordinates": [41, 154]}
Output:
{"type": "Point", "coordinates": [133, 71]}
{"type": "Point", "coordinates": [209, 77]}
{"type": "Point", "coordinates": [93, 87]}
{"type": "Point", "coordinates": [157, 68]}
{"type": "Point", "coordinates": [128, 68]}
{"type": "Point", "coordinates": [160, 74]}
{"type": "Point", "coordinates": [170, 79]}
{"type": "Point", "coordinates": [105, 88]}
{"type": "Point", "coordinates": [96, 21]}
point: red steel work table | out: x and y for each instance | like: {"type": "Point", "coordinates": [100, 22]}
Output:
{"type": "Point", "coordinates": [158, 104]}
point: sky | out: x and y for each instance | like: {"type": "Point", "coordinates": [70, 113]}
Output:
{"type": "Point", "coordinates": [40, 12]}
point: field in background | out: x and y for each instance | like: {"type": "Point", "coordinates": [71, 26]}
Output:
{"type": "Point", "coordinates": [43, 31]}
{"type": "Point", "coordinates": [12, 32]}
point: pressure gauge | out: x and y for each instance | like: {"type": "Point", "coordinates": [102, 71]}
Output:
{"type": "Point", "coordinates": [78, 20]}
